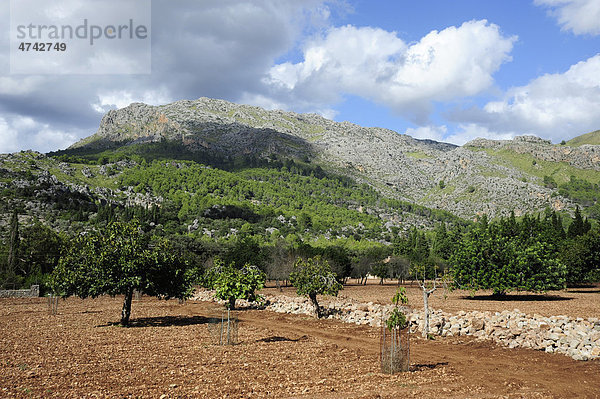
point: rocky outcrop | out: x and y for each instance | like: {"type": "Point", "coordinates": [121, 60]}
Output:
{"type": "Point", "coordinates": [396, 164]}
{"type": "Point", "coordinates": [578, 338]}
{"type": "Point", "coordinates": [582, 157]}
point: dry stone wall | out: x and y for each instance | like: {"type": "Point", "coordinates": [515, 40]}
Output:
{"type": "Point", "coordinates": [575, 337]}
{"type": "Point", "coordinates": [32, 292]}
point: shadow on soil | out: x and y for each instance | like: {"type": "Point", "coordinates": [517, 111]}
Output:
{"type": "Point", "coordinates": [518, 298]}
{"type": "Point", "coordinates": [429, 366]}
{"type": "Point", "coordinates": [164, 321]}
{"type": "Point", "coordinates": [276, 338]}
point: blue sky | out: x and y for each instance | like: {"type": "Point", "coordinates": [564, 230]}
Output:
{"type": "Point", "coordinates": [439, 69]}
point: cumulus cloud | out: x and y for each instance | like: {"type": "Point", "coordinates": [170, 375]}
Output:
{"type": "Point", "coordinates": [8, 137]}
{"type": "Point", "coordinates": [430, 132]}
{"type": "Point", "coordinates": [18, 132]}
{"type": "Point", "coordinates": [579, 16]}
{"type": "Point", "coordinates": [557, 106]}
{"type": "Point", "coordinates": [376, 64]}
{"type": "Point", "coordinates": [221, 49]}
{"type": "Point", "coordinates": [462, 134]}
{"type": "Point", "coordinates": [122, 98]}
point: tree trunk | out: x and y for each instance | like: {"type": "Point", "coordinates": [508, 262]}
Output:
{"type": "Point", "coordinates": [313, 299]}
{"type": "Point", "coordinates": [126, 312]}
{"type": "Point", "coordinates": [426, 314]}
{"type": "Point", "coordinates": [278, 284]}
{"type": "Point", "coordinates": [231, 304]}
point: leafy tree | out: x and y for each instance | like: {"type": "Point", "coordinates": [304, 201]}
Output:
{"type": "Point", "coordinates": [245, 250]}
{"type": "Point", "coordinates": [581, 255]}
{"type": "Point", "coordinates": [40, 251]}
{"type": "Point", "coordinates": [491, 256]}
{"type": "Point", "coordinates": [414, 246]}
{"type": "Point", "coordinates": [314, 277]}
{"type": "Point", "coordinates": [339, 260]}
{"type": "Point", "coordinates": [118, 260]}
{"type": "Point", "coordinates": [399, 267]}
{"type": "Point", "coordinates": [231, 283]}
{"type": "Point", "coordinates": [380, 269]}
{"type": "Point", "coordinates": [579, 226]}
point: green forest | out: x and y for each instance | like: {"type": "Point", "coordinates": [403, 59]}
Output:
{"type": "Point", "coordinates": [269, 212]}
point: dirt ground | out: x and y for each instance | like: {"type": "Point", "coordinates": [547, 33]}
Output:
{"type": "Point", "coordinates": [168, 353]}
{"type": "Point", "coordinates": [574, 302]}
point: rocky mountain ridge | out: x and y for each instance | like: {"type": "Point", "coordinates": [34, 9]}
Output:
{"type": "Point", "coordinates": [467, 181]}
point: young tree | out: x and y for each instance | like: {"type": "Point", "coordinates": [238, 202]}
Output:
{"type": "Point", "coordinates": [119, 260]}
{"type": "Point", "coordinates": [314, 277]}
{"type": "Point", "coordinates": [428, 287]}
{"type": "Point", "coordinates": [231, 283]}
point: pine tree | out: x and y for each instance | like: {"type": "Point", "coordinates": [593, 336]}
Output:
{"type": "Point", "coordinates": [578, 226]}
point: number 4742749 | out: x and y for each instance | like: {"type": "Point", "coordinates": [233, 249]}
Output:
{"type": "Point", "coordinates": [43, 46]}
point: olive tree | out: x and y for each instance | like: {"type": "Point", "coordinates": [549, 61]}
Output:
{"type": "Point", "coordinates": [314, 277]}
{"type": "Point", "coordinates": [119, 260]}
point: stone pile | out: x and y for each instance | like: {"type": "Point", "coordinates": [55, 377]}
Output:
{"type": "Point", "coordinates": [578, 338]}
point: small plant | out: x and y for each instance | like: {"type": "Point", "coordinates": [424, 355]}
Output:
{"type": "Point", "coordinates": [442, 184]}
{"type": "Point", "coordinates": [231, 283]}
{"type": "Point", "coordinates": [395, 350]}
{"type": "Point", "coordinates": [397, 318]}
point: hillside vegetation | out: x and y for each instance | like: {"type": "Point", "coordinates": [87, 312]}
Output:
{"type": "Point", "coordinates": [263, 187]}
{"type": "Point", "coordinates": [592, 138]}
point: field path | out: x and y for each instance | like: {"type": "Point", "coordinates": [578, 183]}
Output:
{"type": "Point", "coordinates": [484, 364]}
{"type": "Point", "coordinates": [168, 352]}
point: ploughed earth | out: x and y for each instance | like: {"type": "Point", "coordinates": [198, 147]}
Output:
{"type": "Point", "coordinates": [169, 352]}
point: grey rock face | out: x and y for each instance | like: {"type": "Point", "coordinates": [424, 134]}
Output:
{"type": "Point", "coordinates": [463, 180]}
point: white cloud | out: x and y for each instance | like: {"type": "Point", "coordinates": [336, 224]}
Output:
{"type": "Point", "coordinates": [555, 106]}
{"type": "Point", "coordinates": [220, 50]}
{"type": "Point", "coordinates": [19, 86]}
{"type": "Point", "coordinates": [47, 139]}
{"type": "Point", "coordinates": [18, 133]}
{"type": "Point", "coordinates": [8, 137]}
{"type": "Point", "coordinates": [471, 131]}
{"type": "Point", "coordinates": [369, 62]}
{"type": "Point", "coordinates": [430, 132]}
{"type": "Point", "coordinates": [463, 134]}
{"type": "Point", "coordinates": [579, 16]}
{"type": "Point", "coordinates": [122, 98]}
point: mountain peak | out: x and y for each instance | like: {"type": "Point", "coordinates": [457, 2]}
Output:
{"type": "Point", "coordinates": [463, 180]}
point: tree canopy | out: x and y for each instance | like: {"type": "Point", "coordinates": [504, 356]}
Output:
{"type": "Point", "coordinates": [313, 277]}
{"type": "Point", "coordinates": [118, 260]}
{"type": "Point", "coordinates": [508, 255]}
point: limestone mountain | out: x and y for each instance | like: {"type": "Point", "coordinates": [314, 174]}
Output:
{"type": "Point", "coordinates": [483, 176]}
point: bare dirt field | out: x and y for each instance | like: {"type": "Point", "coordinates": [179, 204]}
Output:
{"type": "Point", "coordinates": [574, 302]}
{"type": "Point", "coordinates": [168, 353]}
